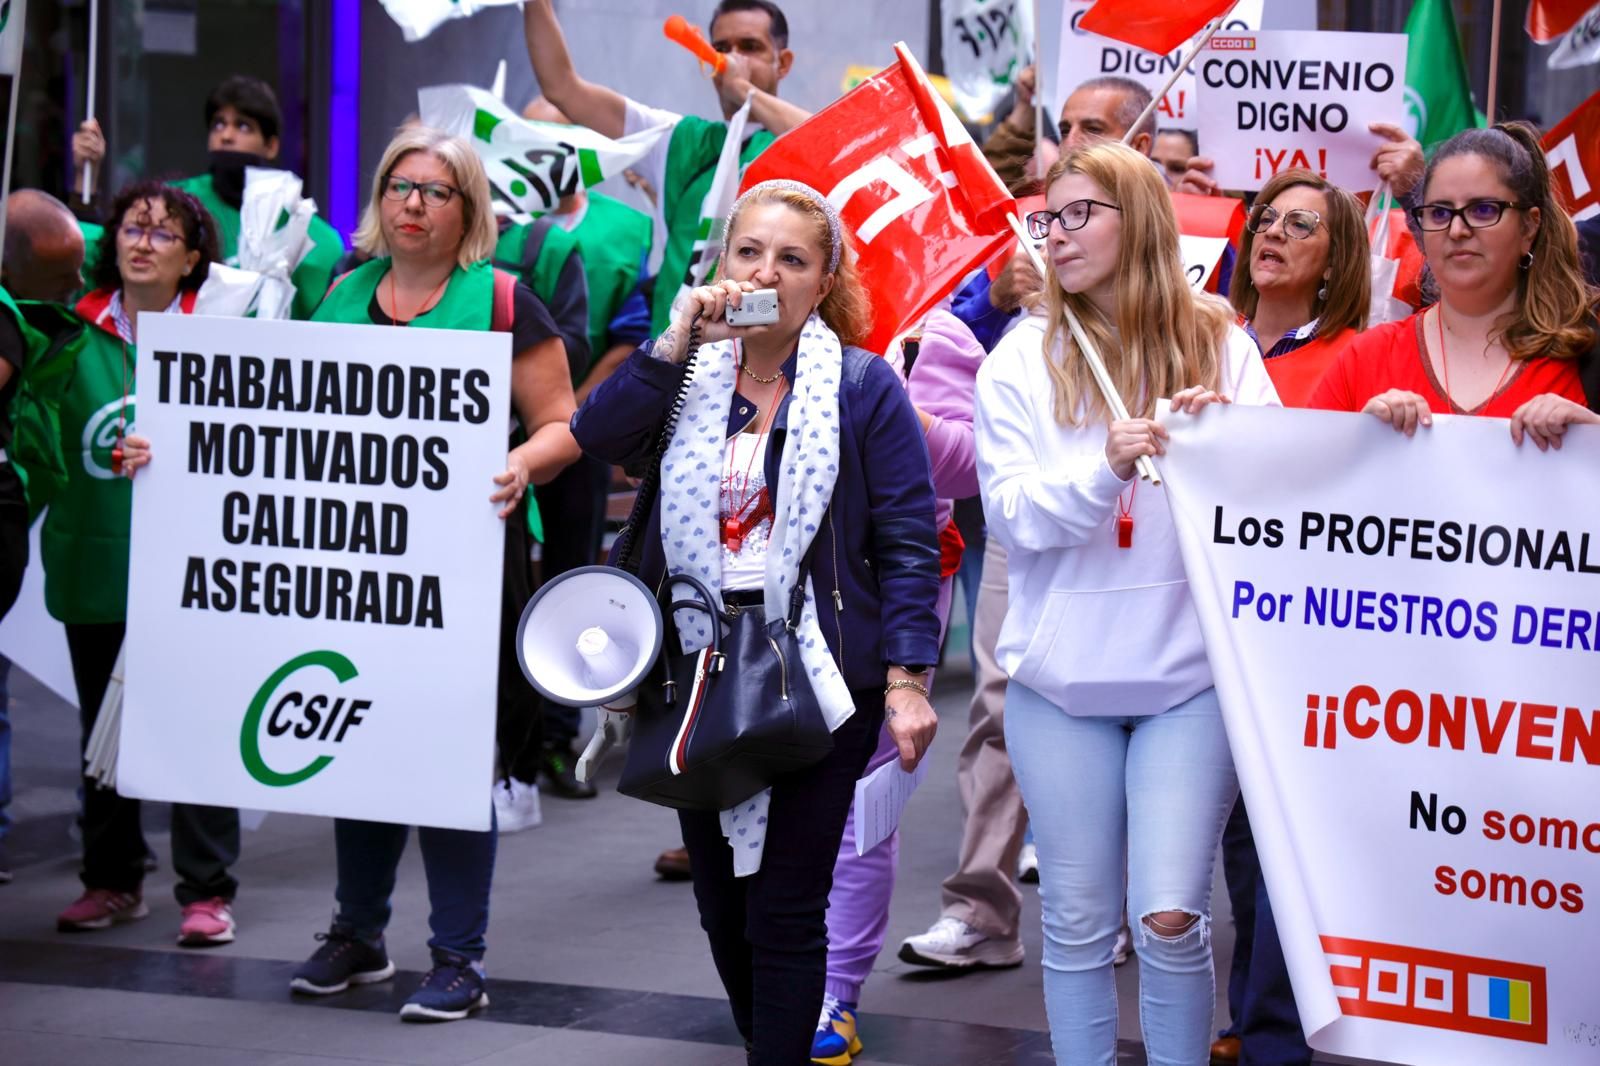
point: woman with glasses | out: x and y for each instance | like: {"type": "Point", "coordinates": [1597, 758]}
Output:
{"type": "Point", "coordinates": [1514, 320]}
{"type": "Point", "coordinates": [1303, 282]}
{"type": "Point", "coordinates": [152, 260]}
{"type": "Point", "coordinates": [1111, 720]}
{"type": "Point", "coordinates": [430, 229]}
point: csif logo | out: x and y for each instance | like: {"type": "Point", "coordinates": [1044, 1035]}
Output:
{"type": "Point", "coordinates": [100, 436]}
{"type": "Point", "coordinates": [299, 712]}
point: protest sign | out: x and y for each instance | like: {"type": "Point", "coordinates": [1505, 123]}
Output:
{"type": "Point", "coordinates": [1403, 635]}
{"type": "Point", "coordinates": [531, 165]}
{"type": "Point", "coordinates": [1200, 257]}
{"type": "Point", "coordinates": [1288, 98]}
{"type": "Point", "coordinates": [315, 569]}
{"type": "Point", "coordinates": [1084, 55]}
{"type": "Point", "coordinates": [1573, 151]}
{"type": "Point", "coordinates": [985, 43]}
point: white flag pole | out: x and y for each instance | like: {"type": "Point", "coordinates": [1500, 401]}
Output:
{"type": "Point", "coordinates": [1097, 367]}
{"type": "Point", "coordinates": [94, 42]}
{"type": "Point", "coordinates": [1188, 57]}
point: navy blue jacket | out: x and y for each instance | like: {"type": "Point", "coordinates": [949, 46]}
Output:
{"type": "Point", "coordinates": [877, 548]}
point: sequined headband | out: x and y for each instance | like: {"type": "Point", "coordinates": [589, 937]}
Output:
{"type": "Point", "coordinates": [835, 230]}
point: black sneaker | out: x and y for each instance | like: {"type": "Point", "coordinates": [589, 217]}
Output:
{"type": "Point", "coordinates": [343, 960]}
{"type": "Point", "coordinates": [452, 990]}
{"type": "Point", "coordinates": [557, 768]}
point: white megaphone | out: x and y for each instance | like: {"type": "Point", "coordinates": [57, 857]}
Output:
{"type": "Point", "coordinates": [586, 639]}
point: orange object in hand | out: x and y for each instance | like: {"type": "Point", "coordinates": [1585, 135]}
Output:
{"type": "Point", "coordinates": [677, 29]}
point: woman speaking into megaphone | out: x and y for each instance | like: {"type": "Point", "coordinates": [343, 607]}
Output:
{"type": "Point", "coordinates": [796, 459]}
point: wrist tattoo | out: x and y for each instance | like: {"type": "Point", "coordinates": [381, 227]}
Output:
{"type": "Point", "coordinates": [666, 346]}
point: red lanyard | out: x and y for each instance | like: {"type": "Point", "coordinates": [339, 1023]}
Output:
{"type": "Point", "coordinates": [1125, 518]}
{"type": "Point", "coordinates": [1444, 363]}
{"type": "Point", "coordinates": [744, 510]}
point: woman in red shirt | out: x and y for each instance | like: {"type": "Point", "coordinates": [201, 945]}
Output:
{"type": "Point", "coordinates": [1514, 317]}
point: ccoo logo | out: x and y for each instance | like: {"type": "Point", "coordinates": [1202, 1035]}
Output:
{"type": "Point", "coordinates": [299, 713]}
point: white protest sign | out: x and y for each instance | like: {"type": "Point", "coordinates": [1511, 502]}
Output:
{"type": "Point", "coordinates": [1404, 633]}
{"type": "Point", "coordinates": [1200, 258]}
{"type": "Point", "coordinates": [315, 569]}
{"type": "Point", "coordinates": [1291, 98]}
{"type": "Point", "coordinates": [531, 165]}
{"type": "Point", "coordinates": [985, 43]}
{"type": "Point", "coordinates": [418, 18]}
{"type": "Point", "coordinates": [1086, 55]}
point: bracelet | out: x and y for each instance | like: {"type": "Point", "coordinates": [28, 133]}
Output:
{"type": "Point", "coordinates": [904, 682]}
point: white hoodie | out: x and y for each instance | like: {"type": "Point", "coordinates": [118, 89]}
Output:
{"type": "Point", "coordinates": [1094, 628]}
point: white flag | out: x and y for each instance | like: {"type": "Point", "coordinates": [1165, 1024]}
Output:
{"type": "Point", "coordinates": [418, 18]}
{"type": "Point", "coordinates": [1581, 45]}
{"type": "Point", "coordinates": [985, 43]}
{"type": "Point", "coordinates": [531, 165]}
{"type": "Point", "coordinates": [13, 19]}
{"type": "Point", "coordinates": [714, 209]}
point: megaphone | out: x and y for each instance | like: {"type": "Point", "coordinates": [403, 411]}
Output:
{"type": "Point", "coordinates": [589, 636]}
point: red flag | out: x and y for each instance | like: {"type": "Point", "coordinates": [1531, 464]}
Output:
{"type": "Point", "coordinates": [1157, 26]}
{"type": "Point", "coordinates": [1550, 19]}
{"type": "Point", "coordinates": [1209, 216]}
{"type": "Point", "coordinates": [1572, 149]}
{"type": "Point", "coordinates": [922, 203]}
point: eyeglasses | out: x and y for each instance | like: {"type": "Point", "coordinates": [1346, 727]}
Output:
{"type": "Point", "coordinates": [1479, 214]}
{"type": "Point", "coordinates": [434, 193]}
{"type": "Point", "coordinates": [1073, 216]}
{"type": "Point", "coordinates": [160, 239]}
{"type": "Point", "coordinates": [1299, 222]}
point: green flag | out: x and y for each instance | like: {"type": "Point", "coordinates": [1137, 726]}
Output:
{"type": "Point", "coordinates": [1438, 94]}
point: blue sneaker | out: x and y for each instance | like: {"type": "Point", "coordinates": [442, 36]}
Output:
{"type": "Point", "coordinates": [453, 989]}
{"type": "Point", "coordinates": [836, 1042]}
{"type": "Point", "coordinates": [343, 960]}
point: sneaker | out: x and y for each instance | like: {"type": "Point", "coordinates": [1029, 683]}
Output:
{"type": "Point", "coordinates": [99, 908]}
{"type": "Point", "coordinates": [206, 922]}
{"type": "Point", "coordinates": [516, 806]}
{"type": "Point", "coordinates": [558, 770]}
{"type": "Point", "coordinates": [1028, 865]}
{"type": "Point", "coordinates": [836, 1042]}
{"type": "Point", "coordinates": [953, 944]}
{"type": "Point", "coordinates": [1124, 947]}
{"type": "Point", "coordinates": [453, 989]}
{"type": "Point", "coordinates": [343, 960]}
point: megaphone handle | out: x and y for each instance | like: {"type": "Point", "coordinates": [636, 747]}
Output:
{"type": "Point", "coordinates": [608, 730]}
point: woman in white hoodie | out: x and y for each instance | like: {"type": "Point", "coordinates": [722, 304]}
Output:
{"type": "Point", "coordinates": [1113, 727]}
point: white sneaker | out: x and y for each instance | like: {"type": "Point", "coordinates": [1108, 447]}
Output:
{"type": "Point", "coordinates": [516, 805]}
{"type": "Point", "coordinates": [953, 944]}
{"type": "Point", "coordinates": [1028, 865]}
{"type": "Point", "coordinates": [1124, 949]}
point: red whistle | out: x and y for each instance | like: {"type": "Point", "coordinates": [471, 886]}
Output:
{"type": "Point", "coordinates": [1125, 531]}
{"type": "Point", "coordinates": [116, 457]}
{"type": "Point", "coordinates": [679, 31]}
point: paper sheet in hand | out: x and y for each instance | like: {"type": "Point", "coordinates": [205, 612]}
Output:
{"type": "Point", "coordinates": [880, 798]}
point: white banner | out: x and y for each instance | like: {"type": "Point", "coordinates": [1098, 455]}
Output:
{"type": "Point", "coordinates": [1086, 55]}
{"type": "Point", "coordinates": [314, 584]}
{"type": "Point", "coordinates": [1404, 636]}
{"type": "Point", "coordinates": [13, 20]}
{"type": "Point", "coordinates": [1293, 98]}
{"type": "Point", "coordinates": [418, 18]}
{"type": "Point", "coordinates": [985, 43]}
{"type": "Point", "coordinates": [531, 165]}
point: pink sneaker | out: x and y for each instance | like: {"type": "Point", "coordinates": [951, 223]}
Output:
{"type": "Point", "coordinates": [98, 908]}
{"type": "Point", "coordinates": [206, 922]}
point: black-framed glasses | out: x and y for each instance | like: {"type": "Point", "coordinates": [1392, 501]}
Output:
{"type": "Point", "coordinates": [1298, 222]}
{"type": "Point", "coordinates": [434, 193]}
{"type": "Point", "coordinates": [1073, 216]}
{"type": "Point", "coordinates": [1479, 214]}
{"type": "Point", "coordinates": [160, 239]}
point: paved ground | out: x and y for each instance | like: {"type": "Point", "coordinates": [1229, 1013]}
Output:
{"type": "Point", "coordinates": [591, 959]}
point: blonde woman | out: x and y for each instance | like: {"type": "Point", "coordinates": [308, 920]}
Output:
{"type": "Point", "coordinates": [1113, 727]}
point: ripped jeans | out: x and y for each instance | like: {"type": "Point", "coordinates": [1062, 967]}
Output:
{"type": "Point", "coordinates": [1157, 790]}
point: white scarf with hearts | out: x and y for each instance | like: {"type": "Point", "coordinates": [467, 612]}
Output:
{"type": "Point", "coordinates": [691, 483]}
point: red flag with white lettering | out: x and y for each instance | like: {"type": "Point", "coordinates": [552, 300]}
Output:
{"type": "Point", "coordinates": [1157, 26]}
{"type": "Point", "coordinates": [1572, 149]}
{"type": "Point", "coordinates": [916, 193]}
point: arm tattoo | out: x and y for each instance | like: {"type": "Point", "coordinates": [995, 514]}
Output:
{"type": "Point", "coordinates": [666, 346]}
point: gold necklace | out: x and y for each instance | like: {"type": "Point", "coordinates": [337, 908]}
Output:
{"type": "Point", "coordinates": [744, 364]}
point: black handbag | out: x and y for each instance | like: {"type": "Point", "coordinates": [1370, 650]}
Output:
{"type": "Point", "coordinates": [714, 727]}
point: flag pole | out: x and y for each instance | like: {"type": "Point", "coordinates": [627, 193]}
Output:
{"type": "Point", "coordinates": [1097, 367]}
{"type": "Point", "coordinates": [1494, 60]}
{"type": "Point", "coordinates": [1039, 102]}
{"type": "Point", "coordinates": [20, 13]}
{"type": "Point", "coordinates": [94, 41]}
{"type": "Point", "coordinates": [1194, 50]}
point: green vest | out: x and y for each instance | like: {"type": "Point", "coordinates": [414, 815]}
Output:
{"type": "Point", "coordinates": [613, 239]}
{"type": "Point", "coordinates": [467, 301]}
{"type": "Point", "coordinates": [311, 277]}
{"type": "Point", "coordinates": [52, 337]}
{"type": "Point", "coordinates": [91, 252]}
{"type": "Point", "coordinates": [691, 166]}
{"type": "Point", "coordinates": [84, 542]}
{"type": "Point", "coordinates": [545, 272]}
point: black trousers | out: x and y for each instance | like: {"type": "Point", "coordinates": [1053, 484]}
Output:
{"type": "Point", "coordinates": [13, 537]}
{"type": "Point", "coordinates": [769, 931]}
{"type": "Point", "coordinates": [205, 840]}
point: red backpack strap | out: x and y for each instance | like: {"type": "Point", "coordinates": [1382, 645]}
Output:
{"type": "Point", "coordinates": [504, 314]}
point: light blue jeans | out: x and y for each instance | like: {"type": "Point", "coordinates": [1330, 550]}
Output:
{"type": "Point", "coordinates": [1157, 790]}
